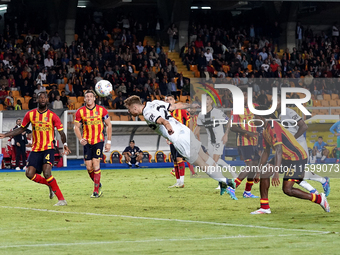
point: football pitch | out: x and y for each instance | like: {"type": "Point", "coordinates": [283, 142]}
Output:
{"type": "Point", "coordinates": [138, 214]}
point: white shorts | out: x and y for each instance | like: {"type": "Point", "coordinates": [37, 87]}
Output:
{"type": "Point", "coordinates": [215, 149]}
{"type": "Point", "coordinates": [318, 154]}
{"type": "Point", "coordinates": [187, 145]}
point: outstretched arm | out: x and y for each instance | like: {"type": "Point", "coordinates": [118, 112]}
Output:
{"type": "Point", "coordinates": [15, 132]}
{"type": "Point", "coordinates": [181, 105]}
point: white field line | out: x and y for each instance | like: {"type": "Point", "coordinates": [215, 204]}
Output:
{"type": "Point", "coordinates": [146, 241]}
{"type": "Point", "coordinates": [171, 220]}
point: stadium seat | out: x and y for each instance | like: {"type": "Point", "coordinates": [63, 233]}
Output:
{"type": "Point", "coordinates": [250, 67]}
{"type": "Point", "coordinates": [25, 106]}
{"type": "Point", "coordinates": [15, 93]}
{"type": "Point", "coordinates": [324, 103]}
{"type": "Point", "coordinates": [332, 103]}
{"type": "Point", "coordinates": [80, 99]}
{"type": "Point", "coordinates": [75, 37]}
{"type": "Point", "coordinates": [1, 107]}
{"type": "Point", "coordinates": [335, 96]}
{"type": "Point", "coordinates": [334, 112]}
{"type": "Point", "coordinates": [19, 98]}
{"type": "Point", "coordinates": [316, 103]}
{"type": "Point", "coordinates": [73, 99]}
{"type": "Point", "coordinates": [124, 118]}
{"type": "Point", "coordinates": [62, 86]}
{"type": "Point", "coordinates": [324, 112]}
{"type": "Point", "coordinates": [78, 105]}
{"type": "Point", "coordinates": [141, 118]}
{"type": "Point", "coordinates": [27, 99]}
{"type": "Point", "coordinates": [326, 97]}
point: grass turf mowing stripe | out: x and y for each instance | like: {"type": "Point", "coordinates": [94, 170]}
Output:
{"type": "Point", "coordinates": [147, 241]}
{"type": "Point", "coordinates": [172, 220]}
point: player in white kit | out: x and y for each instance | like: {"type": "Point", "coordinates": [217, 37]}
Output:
{"type": "Point", "coordinates": [157, 116]}
{"type": "Point", "coordinates": [214, 121]}
{"type": "Point", "coordinates": [297, 127]}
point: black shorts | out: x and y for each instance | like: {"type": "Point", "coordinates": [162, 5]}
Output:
{"type": "Point", "coordinates": [38, 159]}
{"type": "Point", "coordinates": [292, 170]}
{"type": "Point", "coordinates": [93, 151]}
{"type": "Point", "coordinates": [174, 153]}
{"type": "Point", "coordinates": [248, 153]}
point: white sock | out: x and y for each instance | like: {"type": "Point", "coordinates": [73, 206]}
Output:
{"type": "Point", "coordinates": [306, 186]}
{"type": "Point", "coordinates": [314, 177]}
{"type": "Point", "coordinates": [221, 162]}
{"type": "Point", "coordinates": [137, 163]}
{"type": "Point", "coordinates": [181, 179]}
{"type": "Point", "coordinates": [323, 158]}
{"type": "Point", "coordinates": [178, 180]}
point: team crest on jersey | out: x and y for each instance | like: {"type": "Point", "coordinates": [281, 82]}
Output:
{"type": "Point", "coordinates": [96, 113]}
{"type": "Point", "coordinates": [46, 119]}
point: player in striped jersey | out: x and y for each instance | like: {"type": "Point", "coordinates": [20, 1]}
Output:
{"type": "Point", "coordinates": [41, 158]}
{"type": "Point", "coordinates": [247, 141]}
{"type": "Point", "coordinates": [91, 117]}
{"type": "Point", "coordinates": [183, 117]}
{"type": "Point", "coordinates": [290, 158]}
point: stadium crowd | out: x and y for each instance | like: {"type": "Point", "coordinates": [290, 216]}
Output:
{"type": "Point", "coordinates": [41, 62]}
{"type": "Point", "coordinates": [33, 63]}
{"type": "Point", "coordinates": [249, 55]}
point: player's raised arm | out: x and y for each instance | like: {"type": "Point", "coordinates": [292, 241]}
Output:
{"type": "Point", "coordinates": [181, 105]}
{"type": "Point", "coordinates": [166, 124]}
{"type": "Point", "coordinates": [109, 134]}
{"type": "Point", "coordinates": [15, 132]}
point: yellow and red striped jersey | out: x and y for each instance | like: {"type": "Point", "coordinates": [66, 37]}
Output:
{"type": "Point", "coordinates": [274, 134]}
{"type": "Point", "coordinates": [242, 122]}
{"type": "Point", "coordinates": [182, 116]}
{"type": "Point", "coordinates": [43, 124]}
{"type": "Point", "coordinates": [92, 120]}
{"type": "Point", "coordinates": [193, 118]}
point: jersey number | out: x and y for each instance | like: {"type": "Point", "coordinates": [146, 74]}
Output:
{"type": "Point", "coordinates": [47, 157]}
{"type": "Point", "coordinates": [153, 126]}
{"type": "Point", "coordinates": [98, 152]}
{"type": "Point", "coordinates": [166, 115]}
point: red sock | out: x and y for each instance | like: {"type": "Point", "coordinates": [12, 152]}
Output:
{"type": "Point", "coordinates": [39, 179]}
{"type": "Point", "coordinates": [191, 167]}
{"type": "Point", "coordinates": [316, 198]}
{"type": "Point", "coordinates": [181, 168]}
{"type": "Point", "coordinates": [96, 180]}
{"type": "Point", "coordinates": [91, 174]}
{"type": "Point", "coordinates": [53, 184]}
{"type": "Point", "coordinates": [238, 182]}
{"type": "Point", "coordinates": [264, 203]}
{"type": "Point", "coordinates": [249, 185]}
{"type": "Point", "coordinates": [176, 171]}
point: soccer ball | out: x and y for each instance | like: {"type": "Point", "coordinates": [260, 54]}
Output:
{"type": "Point", "coordinates": [103, 88]}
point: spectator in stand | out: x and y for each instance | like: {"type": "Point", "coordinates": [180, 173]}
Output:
{"type": "Point", "coordinates": [199, 44]}
{"type": "Point", "coordinates": [43, 76]}
{"type": "Point", "coordinates": [9, 101]}
{"type": "Point", "coordinates": [32, 103]}
{"type": "Point", "coordinates": [263, 54]}
{"type": "Point", "coordinates": [11, 81]}
{"type": "Point", "coordinates": [299, 31]}
{"type": "Point", "coordinates": [58, 104]}
{"type": "Point", "coordinates": [208, 56]}
{"type": "Point", "coordinates": [173, 37]}
{"type": "Point", "coordinates": [63, 98]}
{"type": "Point", "coordinates": [56, 41]}
{"type": "Point", "coordinates": [39, 89]}
{"type": "Point", "coordinates": [172, 89]}
{"type": "Point", "coordinates": [3, 94]}
{"type": "Point", "coordinates": [18, 106]}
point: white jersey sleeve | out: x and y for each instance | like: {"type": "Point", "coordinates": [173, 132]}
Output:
{"type": "Point", "coordinates": [221, 115]}
{"type": "Point", "coordinates": [291, 114]}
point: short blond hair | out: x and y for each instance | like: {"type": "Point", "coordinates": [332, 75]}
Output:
{"type": "Point", "coordinates": [132, 100]}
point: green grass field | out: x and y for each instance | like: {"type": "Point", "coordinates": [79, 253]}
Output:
{"type": "Point", "coordinates": [138, 214]}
